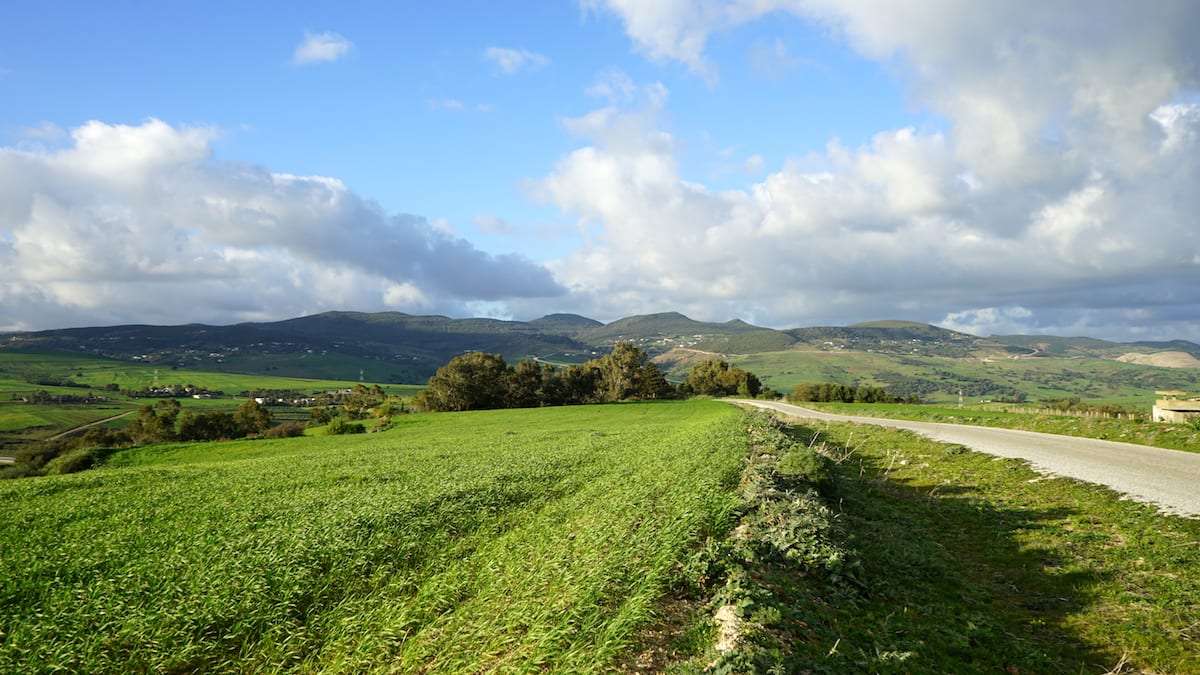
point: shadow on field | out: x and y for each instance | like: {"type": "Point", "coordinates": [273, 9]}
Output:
{"type": "Point", "coordinates": [943, 581]}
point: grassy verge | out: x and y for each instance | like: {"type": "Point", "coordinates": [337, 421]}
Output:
{"type": "Point", "coordinates": [492, 541]}
{"type": "Point", "coordinates": [1174, 436]}
{"type": "Point", "coordinates": [924, 557]}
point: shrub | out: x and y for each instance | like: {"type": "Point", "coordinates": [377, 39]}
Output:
{"type": "Point", "coordinates": [285, 430]}
{"type": "Point", "coordinates": [340, 426]}
{"type": "Point", "coordinates": [71, 462]}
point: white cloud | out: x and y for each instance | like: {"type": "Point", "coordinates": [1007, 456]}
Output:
{"type": "Point", "coordinates": [445, 104]}
{"type": "Point", "coordinates": [321, 48]}
{"type": "Point", "coordinates": [664, 30]}
{"type": "Point", "coordinates": [140, 223]}
{"type": "Point", "coordinates": [890, 229]}
{"type": "Point", "coordinates": [987, 321]}
{"type": "Point", "coordinates": [1063, 183]}
{"type": "Point", "coordinates": [512, 61]}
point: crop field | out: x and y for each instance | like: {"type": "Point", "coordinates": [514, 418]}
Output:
{"type": "Point", "coordinates": [16, 367]}
{"type": "Point", "coordinates": [518, 540]}
{"type": "Point", "coordinates": [20, 373]}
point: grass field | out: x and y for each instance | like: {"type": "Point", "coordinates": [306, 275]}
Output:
{"type": "Point", "coordinates": [588, 539]}
{"type": "Point", "coordinates": [508, 541]}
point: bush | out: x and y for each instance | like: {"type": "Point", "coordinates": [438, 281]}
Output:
{"type": "Point", "coordinates": [71, 462]}
{"type": "Point", "coordinates": [340, 426]}
{"type": "Point", "coordinates": [285, 430]}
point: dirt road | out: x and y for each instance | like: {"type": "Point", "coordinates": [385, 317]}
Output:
{"type": "Point", "coordinates": [1169, 479]}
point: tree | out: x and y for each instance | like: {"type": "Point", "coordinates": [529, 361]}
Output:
{"type": "Point", "coordinates": [627, 372]}
{"type": "Point", "coordinates": [252, 419]}
{"type": "Point", "coordinates": [578, 384]}
{"type": "Point", "coordinates": [155, 424]}
{"type": "Point", "coordinates": [362, 399]}
{"type": "Point", "coordinates": [475, 381]}
{"type": "Point", "coordinates": [718, 378]}
{"type": "Point", "coordinates": [209, 426]}
{"type": "Point", "coordinates": [524, 386]}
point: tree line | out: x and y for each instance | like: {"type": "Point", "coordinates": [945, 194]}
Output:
{"type": "Point", "coordinates": [482, 381]}
{"type": "Point", "coordinates": [832, 392]}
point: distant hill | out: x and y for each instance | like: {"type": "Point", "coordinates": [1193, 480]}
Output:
{"type": "Point", "coordinates": [392, 346]}
{"type": "Point", "coordinates": [566, 324]}
{"type": "Point", "coordinates": [1172, 346]}
{"type": "Point", "coordinates": [899, 337]}
{"type": "Point", "coordinates": [667, 324]}
{"type": "Point", "coordinates": [1050, 345]}
{"type": "Point", "coordinates": [404, 348]}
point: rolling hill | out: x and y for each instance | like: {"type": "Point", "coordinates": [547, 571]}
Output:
{"type": "Point", "coordinates": [907, 357]}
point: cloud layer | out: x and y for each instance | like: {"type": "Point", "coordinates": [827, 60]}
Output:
{"type": "Point", "coordinates": [1061, 196]}
{"type": "Point", "coordinates": [139, 223]}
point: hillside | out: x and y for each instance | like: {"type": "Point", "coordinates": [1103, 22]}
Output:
{"type": "Point", "coordinates": [907, 357]}
{"type": "Point", "coordinates": [898, 337]}
{"type": "Point", "coordinates": [1162, 359]}
{"type": "Point", "coordinates": [388, 346]}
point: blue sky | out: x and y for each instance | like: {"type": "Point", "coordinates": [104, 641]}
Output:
{"type": "Point", "coordinates": [997, 168]}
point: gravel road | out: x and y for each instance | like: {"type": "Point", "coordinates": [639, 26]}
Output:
{"type": "Point", "coordinates": [1169, 479]}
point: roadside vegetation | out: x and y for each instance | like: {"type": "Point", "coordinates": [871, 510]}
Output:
{"type": "Point", "coordinates": [870, 550]}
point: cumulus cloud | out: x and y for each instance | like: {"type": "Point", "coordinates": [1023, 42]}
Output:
{"type": "Point", "coordinates": [1060, 196]}
{"type": "Point", "coordinates": [669, 30]}
{"type": "Point", "coordinates": [512, 61]}
{"type": "Point", "coordinates": [321, 48]}
{"type": "Point", "coordinates": [140, 223]}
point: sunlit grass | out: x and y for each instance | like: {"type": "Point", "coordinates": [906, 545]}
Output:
{"type": "Point", "coordinates": [950, 561]}
{"type": "Point", "coordinates": [506, 540]}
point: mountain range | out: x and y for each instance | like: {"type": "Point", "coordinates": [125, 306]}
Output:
{"type": "Point", "coordinates": [398, 347]}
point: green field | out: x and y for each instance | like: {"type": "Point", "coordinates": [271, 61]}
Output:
{"type": "Point", "coordinates": [19, 372]}
{"type": "Point", "coordinates": [588, 539]}
{"type": "Point", "coordinates": [488, 541]}
{"type": "Point", "coordinates": [1093, 379]}
{"type": "Point", "coordinates": [15, 367]}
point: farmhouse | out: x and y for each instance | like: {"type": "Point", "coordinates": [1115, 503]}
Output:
{"type": "Point", "coordinates": [1171, 408]}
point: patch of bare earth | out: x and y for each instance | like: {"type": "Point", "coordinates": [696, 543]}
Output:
{"type": "Point", "coordinates": [1162, 359]}
{"type": "Point", "coordinates": [655, 648]}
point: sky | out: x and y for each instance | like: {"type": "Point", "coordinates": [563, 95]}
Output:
{"type": "Point", "coordinates": [995, 167]}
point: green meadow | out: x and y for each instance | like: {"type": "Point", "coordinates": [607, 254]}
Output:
{"type": "Point", "coordinates": [652, 537]}
{"type": "Point", "coordinates": [22, 373]}
{"type": "Point", "coordinates": [487, 541]}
